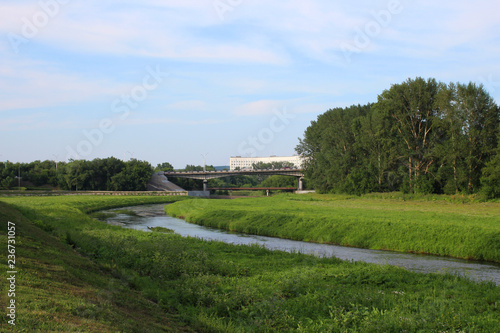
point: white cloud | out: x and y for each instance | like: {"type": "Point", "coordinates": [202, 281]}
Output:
{"type": "Point", "coordinates": [193, 105]}
{"type": "Point", "coordinates": [264, 32]}
{"type": "Point", "coordinates": [31, 84]}
{"type": "Point", "coordinates": [270, 107]}
{"type": "Point", "coordinates": [13, 13]}
{"type": "Point", "coordinates": [262, 107]}
{"type": "Point", "coordinates": [31, 122]}
{"type": "Point", "coordinates": [470, 27]}
{"type": "Point", "coordinates": [165, 30]}
{"type": "Point", "coordinates": [170, 121]}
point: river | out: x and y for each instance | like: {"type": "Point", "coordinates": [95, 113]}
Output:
{"type": "Point", "coordinates": [154, 216]}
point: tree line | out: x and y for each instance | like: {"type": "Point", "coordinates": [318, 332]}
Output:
{"type": "Point", "coordinates": [109, 174]}
{"type": "Point", "coordinates": [421, 136]}
{"type": "Point", "coordinates": [112, 174]}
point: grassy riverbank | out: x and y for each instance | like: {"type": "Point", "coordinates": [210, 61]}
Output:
{"type": "Point", "coordinates": [78, 274]}
{"type": "Point", "coordinates": [442, 225]}
{"type": "Point", "coordinates": [58, 289]}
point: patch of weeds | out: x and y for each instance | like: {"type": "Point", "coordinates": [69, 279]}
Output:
{"type": "Point", "coordinates": [102, 216]}
{"type": "Point", "coordinates": [43, 225]}
{"type": "Point", "coordinates": [161, 229]}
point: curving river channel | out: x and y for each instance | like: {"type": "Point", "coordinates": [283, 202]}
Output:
{"type": "Point", "coordinates": [154, 216]}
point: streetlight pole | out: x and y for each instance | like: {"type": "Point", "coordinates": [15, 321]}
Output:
{"type": "Point", "coordinates": [205, 181]}
{"type": "Point", "coordinates": [204, 162]}
{"type": "Point", "coordinates": [57, 157]}
{"type": "Point", "coordinates": [19, 177]}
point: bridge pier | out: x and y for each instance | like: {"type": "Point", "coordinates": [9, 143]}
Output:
{"type": "Point", "coordinates": [205, 185]}
{"type": "Point", "coordinates": [300, 183]}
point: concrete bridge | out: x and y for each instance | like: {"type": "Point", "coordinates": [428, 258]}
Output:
{"type": "Point", "coordinates": [206, 175]}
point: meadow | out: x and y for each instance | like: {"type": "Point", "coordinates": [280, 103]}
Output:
{"type": "Point", "coordinates": [80, 274]}
{"type": "Point", "coordinates": [441, 225]}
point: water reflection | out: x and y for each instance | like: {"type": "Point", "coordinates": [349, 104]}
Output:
{"type": "Point", "coordinates": [154, 216]}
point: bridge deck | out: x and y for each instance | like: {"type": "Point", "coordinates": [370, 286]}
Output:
{"type": "Point", "coordinates": [205, 175]}
{"type": "Point", "coordinates": [252, 188]}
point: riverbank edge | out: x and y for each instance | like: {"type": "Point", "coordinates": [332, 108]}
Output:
{"type": "Point", "coordinates": [240, 219]}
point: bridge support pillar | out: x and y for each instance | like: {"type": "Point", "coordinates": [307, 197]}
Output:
{"type": "Point", "coordinates": [205, 185]}
{"type": "Point", "coordinates": [300, 183]}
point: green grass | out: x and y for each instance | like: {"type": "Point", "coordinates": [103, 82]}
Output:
{"type": "Point", "coordinates": [435, 225]}
{"type": "Point", "coordinates": [102, 215]}
{"type": "Point", "coordinates": [79, 274]}
{"type": "Point", "coordinates": [59, 290]}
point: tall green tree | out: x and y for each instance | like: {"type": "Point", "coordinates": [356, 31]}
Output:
{"type": "Point", "coordinates": [378, 148]}
{"type": "Point", "coordinates": [329, 148]}
{"type": "Point", "coordinates": [421, 136]}
{"type": "Point", "coordinates": [450, 149]}
{"type": "Point", "coordinates": [480, 119]}
{"type": "Point", "coordinates": [412, 106]}
{"type": "Point", "coordinates": [490, 179]}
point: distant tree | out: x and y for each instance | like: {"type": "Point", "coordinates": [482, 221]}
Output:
{"type": "Point", "coordinates": [8, 182]}
{"type": "Point", "coordinates": [217, 182]}
{"type": "Point", "coordinates": [165, 166]}
{"type": "Point", "coordinates": [198, 168]}
{"type": "Point", "coordinates": [73, 175]}
{"type": "Point", "coordinates": [111, 167]}
{"type": "Point", "coordinates": [272, 165]}
{"type": "Point", "coordinates": [279, 181]}
{"type": "Point", "coordinates": [134, 177]}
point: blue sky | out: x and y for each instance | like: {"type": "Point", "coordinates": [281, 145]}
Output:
{"type": "Point", "coordinates": [170, 81]}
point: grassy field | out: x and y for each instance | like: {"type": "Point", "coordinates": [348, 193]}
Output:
{"type": "Point", "coordinates": [58, 288]}
{"type": "Point", "coordinates": [79, 274]}
{"type": "Point", "coordinates": [435, 225]}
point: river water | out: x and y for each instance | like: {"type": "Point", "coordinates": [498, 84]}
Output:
{"type": "Point", "coordinates": [154, 216]}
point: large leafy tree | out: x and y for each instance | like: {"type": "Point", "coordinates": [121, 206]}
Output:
{"type": "Point", "coordinates": [450, 149]}
{"type": "Point", "coordinates": [421, 136]}
{"type": "Point", "coordinates": [329, 147]}
{"type": "Point", "coordinates": [490, 179]}
{"type": "Point", "coordinates": [412, 106]}
{"type": "Point", "coordinates": [479, 115]}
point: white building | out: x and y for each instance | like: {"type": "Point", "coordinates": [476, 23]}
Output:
{"type": "Point", "coordinates": [248, 162]}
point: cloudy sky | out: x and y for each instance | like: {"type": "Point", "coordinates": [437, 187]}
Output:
{"type": "Point", "coordinates": [170, 81]}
